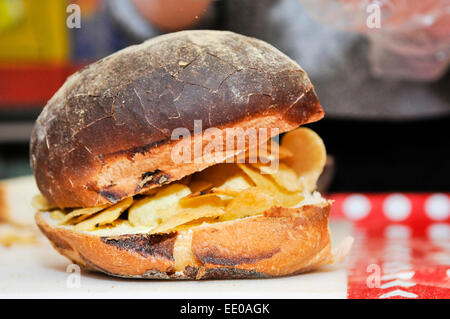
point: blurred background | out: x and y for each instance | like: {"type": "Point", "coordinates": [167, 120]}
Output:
{"type": "Point", "coordinates": [380, 69]}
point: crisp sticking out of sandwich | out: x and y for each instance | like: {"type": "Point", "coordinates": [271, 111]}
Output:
{"type": "Point", "coordinates": [116, 199]}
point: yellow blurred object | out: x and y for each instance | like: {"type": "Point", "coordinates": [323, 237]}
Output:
{"type": "Point", "coordinates": [11, 12]}
{"type": "Point", "coordinates": [33, 31]}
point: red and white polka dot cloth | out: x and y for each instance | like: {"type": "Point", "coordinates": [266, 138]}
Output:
{"type": "Point", "coordinates": [402, 244]}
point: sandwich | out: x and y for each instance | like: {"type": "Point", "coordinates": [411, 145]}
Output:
{"type": "Point", "coordinates": [135, 182]}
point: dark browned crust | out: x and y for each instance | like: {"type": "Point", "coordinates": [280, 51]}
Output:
{"type": "Point", "coordinates": [158, 245]}
{"type": "Point", "coordinates": [214, 257]}
{"type": "Point", "coordinates": [111, 122]}
{"type": "Point", "coordinates": [282, 242]}
{"type": "Point", "coordinates": [223, 273]}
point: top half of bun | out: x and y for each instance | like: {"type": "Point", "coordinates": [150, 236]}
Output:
{"type": "Point", "coordinates": [110, 124]}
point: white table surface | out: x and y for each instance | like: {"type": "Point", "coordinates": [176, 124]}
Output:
{"type": "Point", "coordinates": [40, 272]}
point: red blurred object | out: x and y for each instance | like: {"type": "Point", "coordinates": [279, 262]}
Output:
{"type": "Point", "coordinates": [402, 245]}
{"type": "Point", "coordinates": [30, 85]}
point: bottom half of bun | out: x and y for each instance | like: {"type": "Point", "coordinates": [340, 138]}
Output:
{"type": "Point", "coordinates": [282, 241]}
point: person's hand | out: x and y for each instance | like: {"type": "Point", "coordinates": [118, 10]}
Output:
{"type": "Point", "coordinates": [172, 15]}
